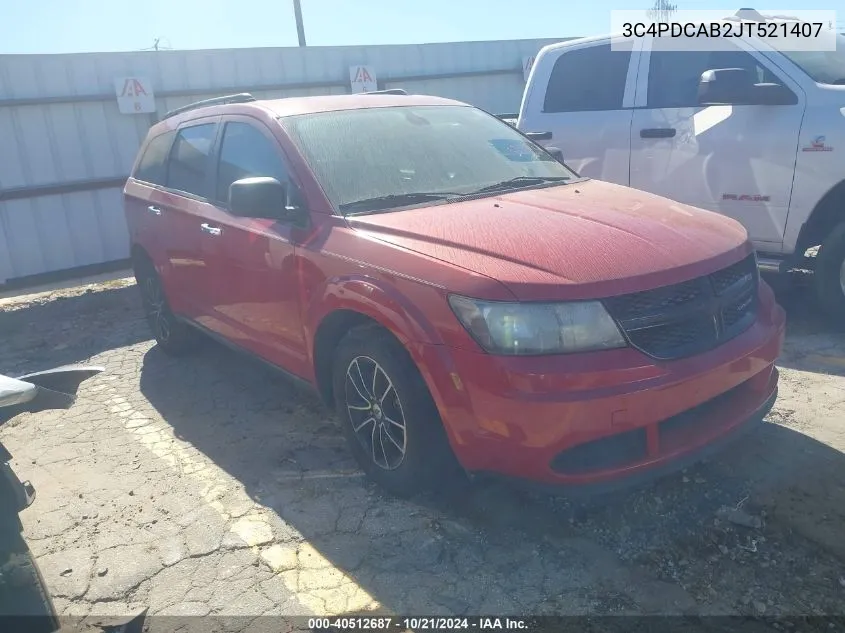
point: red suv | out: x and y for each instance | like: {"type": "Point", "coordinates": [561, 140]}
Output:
{"type": "Point", "coordinates": [452, 288]}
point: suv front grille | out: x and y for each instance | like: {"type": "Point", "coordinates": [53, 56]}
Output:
{"type": "Point", "coordinates": [691, 317]}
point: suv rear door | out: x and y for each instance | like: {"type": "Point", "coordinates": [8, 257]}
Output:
{"type": "Point", "coordinates": [582, 96]}
{"type": "Point", "coordinates": [254, 294]}
{"type": "Point", "coordinates": [184, 207]}
{"type": "Point", "coordinates": [738, 160]}
{"type": "Point", "coordinates": [143, 197]}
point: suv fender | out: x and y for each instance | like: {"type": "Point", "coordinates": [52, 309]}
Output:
{"type": "Point", "coordinates": [343, 304]}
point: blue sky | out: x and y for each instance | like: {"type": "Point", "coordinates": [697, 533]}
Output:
{"type": "Point", "coordinates": [65, 26]}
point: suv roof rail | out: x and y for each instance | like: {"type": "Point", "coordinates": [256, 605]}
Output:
{"type": "Point", "coordinates": [389, 91]}
{"type": "Point", "coordinates": [243, 97]}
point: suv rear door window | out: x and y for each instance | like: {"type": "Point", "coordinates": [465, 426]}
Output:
{"type": "Point", "coordinates": [153, 165]}
{"type": "Point", "coordinates": [588, 80]}
{"type": "Point", "coordinates": [188, 167]}
{"type": "Point", "coordinates": [245, 153]}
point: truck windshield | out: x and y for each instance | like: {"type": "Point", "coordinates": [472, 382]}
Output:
{"type": "Point", "coordinates": [825, 67]}
{"type": "Point", "coordinates": [384, 158]}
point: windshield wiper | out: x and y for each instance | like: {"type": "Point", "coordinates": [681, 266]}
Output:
{"type": "Point", "coordinates": [381, 203]}
{"type": "Point", "coordinates": [521, 181]}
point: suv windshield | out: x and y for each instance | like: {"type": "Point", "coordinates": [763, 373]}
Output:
{"type": "Point", "coordinates": [385, 158]}
{"type": "Point", "coordinates": [825, 67]}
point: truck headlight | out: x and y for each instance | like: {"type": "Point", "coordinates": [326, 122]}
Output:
{"type": "Point", "coordinates": [537, 328]}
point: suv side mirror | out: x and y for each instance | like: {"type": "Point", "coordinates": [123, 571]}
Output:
{"type": "Point", "coordinates": [734, 86]}
{"type": "Point", "coordinates": [261, 197]}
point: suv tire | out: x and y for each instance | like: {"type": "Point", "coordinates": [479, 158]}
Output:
{"type": "Point", "coordinates": [172, 335]}
{"type": "Point", "coordinates": [389, 419]}
{"type": "Point", "coordinates": [830, 276]}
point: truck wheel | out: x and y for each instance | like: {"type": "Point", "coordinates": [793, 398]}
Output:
{"type": "Point", "coordinates": [172, 335]}
{"type": "Point", "coordinates": [389, 418]}
{"type": "Point", "coordinates": [830, 276]}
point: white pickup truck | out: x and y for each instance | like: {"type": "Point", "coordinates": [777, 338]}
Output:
{"type": "Point", "coordinates": [749, 132]}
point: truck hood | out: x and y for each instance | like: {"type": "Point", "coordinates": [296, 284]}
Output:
{"type": "Point", "coordinates": [587, 239]}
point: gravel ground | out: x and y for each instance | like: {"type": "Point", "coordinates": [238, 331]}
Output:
{"type": "Point", "coordinates": [209, 485]}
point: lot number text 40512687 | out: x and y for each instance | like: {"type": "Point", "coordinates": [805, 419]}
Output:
{"type": "Point", "coordinates": [387, 623]}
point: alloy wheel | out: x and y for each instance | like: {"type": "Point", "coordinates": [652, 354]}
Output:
{"type": "Point", "coordinates": [156, 308]}
{"type": "Point", "coordinates": [375, 412]}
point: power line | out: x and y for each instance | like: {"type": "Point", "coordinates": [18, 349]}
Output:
{"type": "Point", "coordinates": [158, 46]}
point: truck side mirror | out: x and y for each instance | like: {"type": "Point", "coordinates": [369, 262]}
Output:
{"type": "Point", "coordinates": [734, 86]}
{"type": "Point", "coordinates": [556, 152]}
{"type": "Point", "coordinates": [725, 86]}
{"type": "Point", "coordinates": [772, 94]}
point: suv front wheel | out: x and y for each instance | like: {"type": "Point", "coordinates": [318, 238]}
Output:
{"type": "Point", "coordinates": [390, 421]}
{"type": "Point", "coordinates": [830, 276]}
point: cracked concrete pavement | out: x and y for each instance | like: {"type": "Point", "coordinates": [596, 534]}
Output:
{"type": "Point", "coordinates": [210, 485]}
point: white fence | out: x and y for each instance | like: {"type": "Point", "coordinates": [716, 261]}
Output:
{"type": "Point", "coordinates": [65, 149]}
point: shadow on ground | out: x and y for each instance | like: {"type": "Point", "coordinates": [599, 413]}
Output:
{"type": "Point", "coordinates": [287, 451]}
{"type": "Point", "coordinates": [663, 548]}
{"type": "Point", "coordinates": [70, 329]}
{"type": "Point", "coordinates": [812, 343]}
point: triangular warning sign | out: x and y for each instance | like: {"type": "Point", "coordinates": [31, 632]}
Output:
{"type": "Point", "coordinates": [363, 75]}
{"type": "Point", "coordinates": [133, 88]}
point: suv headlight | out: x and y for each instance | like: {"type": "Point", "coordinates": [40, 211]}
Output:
{"type": "Point", "coordinates": [537, 328]}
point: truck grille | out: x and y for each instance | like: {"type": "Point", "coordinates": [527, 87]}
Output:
{"type": "Point", "coordinates": [691, 317]}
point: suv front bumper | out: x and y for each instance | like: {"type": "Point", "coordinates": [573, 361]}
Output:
{"type": "Point", "coordinates": [596, 418]}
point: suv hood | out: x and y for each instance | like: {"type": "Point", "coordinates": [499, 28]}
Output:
{"type": "Point", "coordinates": [587, 239]}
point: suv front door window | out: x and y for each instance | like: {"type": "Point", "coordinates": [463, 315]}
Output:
{"type": "Point", "coordinates": [246, 152]}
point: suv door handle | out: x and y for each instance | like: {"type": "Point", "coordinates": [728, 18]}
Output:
{"type": "Point", "coordinates": [154, 210]}
{"type": "Point", "coordinates": [539, 136]}
{"type": "Point", "coordinates": [657, 132]}
{"type": "Point", "coordinates": [211, 230]}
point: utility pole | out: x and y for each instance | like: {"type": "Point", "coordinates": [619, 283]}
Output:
{"type": "Point", "coordinates": [661, 11]}
{"type": "Point", "coordinates": [300, 28]}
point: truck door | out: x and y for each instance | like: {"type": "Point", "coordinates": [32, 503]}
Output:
{"type": "Point", "coordinates": [578, 99]}
{"type": "Point", "coordinates": [738, 160]}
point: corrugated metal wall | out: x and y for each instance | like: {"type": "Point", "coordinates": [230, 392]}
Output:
{"type": "Point", "coordinates": [65, 148]}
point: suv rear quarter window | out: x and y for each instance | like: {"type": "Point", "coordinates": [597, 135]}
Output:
{"type": "Point", "coordinates": [587, 80]}
{"type": "Point", "coordinates": [189, 161]}
{"type": "Point", "coordinates": [152, 167]}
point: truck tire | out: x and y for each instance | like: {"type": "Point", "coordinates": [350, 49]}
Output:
{"type": "Point", "coordinates": [389, 418]}
{"type": "Point", "coordinates": [172, 335]}
{"type": "Point", "coordinates": [830, 276]}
